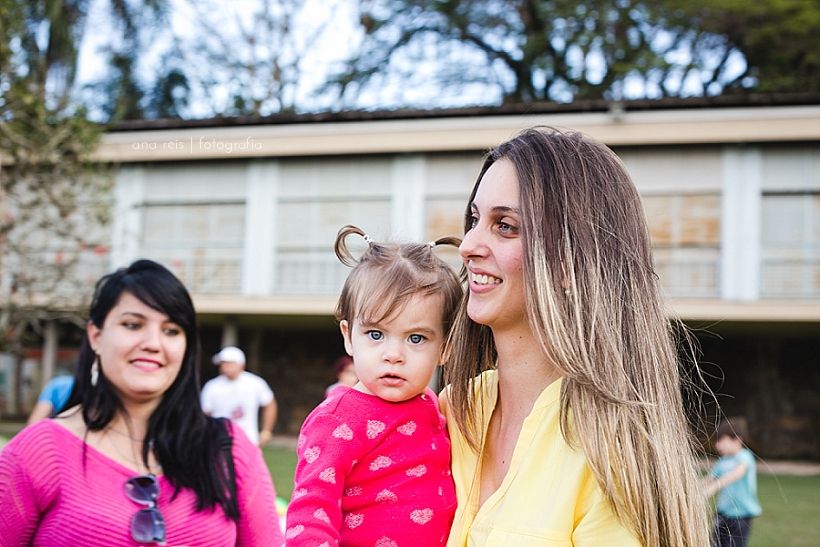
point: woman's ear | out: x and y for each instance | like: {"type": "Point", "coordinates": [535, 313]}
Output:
{"type": "Point", "coordinates": [93, 332]}
{"type": "Point", "coordinates": [344, 326]}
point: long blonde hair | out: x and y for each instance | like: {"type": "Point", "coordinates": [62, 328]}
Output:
{"type": "Point", "coordinates": [594, 306]}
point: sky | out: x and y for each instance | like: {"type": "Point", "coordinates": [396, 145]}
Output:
{"type": "Point", "coordinates": [325, 35]}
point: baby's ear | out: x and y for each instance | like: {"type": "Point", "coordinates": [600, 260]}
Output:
{"type": "Point", "coordinates": [344, 326]}
{"type": "Point", "coordinates": [445, 353]}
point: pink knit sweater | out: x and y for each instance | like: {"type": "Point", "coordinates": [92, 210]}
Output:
{"type": "Point", "coordinates": [372, 474]}
{"type": "Point", "coordinates": [48, 498]}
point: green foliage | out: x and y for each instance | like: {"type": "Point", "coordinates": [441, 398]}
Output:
{"type": "Point", "coordinates": [780, 39]}
{"type": "Point", "coordinates": [54, 199]}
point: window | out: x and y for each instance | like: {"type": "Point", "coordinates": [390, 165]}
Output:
{"type": "Point", "coordinates": [685, 232]}
{"type": "Point", "coordinates": [201, 243]}
{"type": "Point", "coordinates": [791, 245]}
{"type": "Point", "coordinates": [315, 200]}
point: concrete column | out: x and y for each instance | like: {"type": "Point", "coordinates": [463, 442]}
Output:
{"type": "Point", "coordinates": [258, 261]}
{"type": "Point", "coordinates": [740, 223]}
{"type": "Point", "coordinates": [407, 204]}
{"type": "Point", "coordinates": [127, 218]}
{"type": "Point", "coordinates": [230, 332]}
{"type": "Point", "coordinates": [49, 352]}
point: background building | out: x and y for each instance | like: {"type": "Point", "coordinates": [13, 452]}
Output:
{"type": "Point", "coordinates": [245, 211]}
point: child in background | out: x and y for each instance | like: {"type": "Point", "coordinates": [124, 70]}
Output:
{"type": "Point", "coordinates": [734, 478]}
{"type": "Point", "coordinates": [345, 374]}
{"type": "Point", "coordinates": [374, 459]}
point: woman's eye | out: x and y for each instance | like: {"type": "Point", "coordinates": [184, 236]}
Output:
{"type": "Point", "coordinates": [375, 335]}
{"type": "Point", "coordinates": [416, 338]}
{"type": "Point", "coordinates": [130, 325]}
{"type": "Point", "coordinates": [472, 220]}
{"type": "Point", "coordinates": [172, 331]}
{"type": "Point", "coordinates": [505, 228]}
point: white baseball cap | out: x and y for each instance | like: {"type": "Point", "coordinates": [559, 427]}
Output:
{"type": "Point", "coordinates": [231, 354]}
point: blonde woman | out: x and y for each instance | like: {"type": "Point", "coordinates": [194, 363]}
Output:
{"type": "Point", "coordinates": [564, 404]}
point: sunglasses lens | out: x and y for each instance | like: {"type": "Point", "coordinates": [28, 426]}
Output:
{"type": "Point", "coordinates": [148, 526]}
{"type": "Point", "coordinates": [142, 489]}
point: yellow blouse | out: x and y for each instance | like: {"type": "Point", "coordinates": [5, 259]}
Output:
{"type": "Point", "coordinates": [549, 496]}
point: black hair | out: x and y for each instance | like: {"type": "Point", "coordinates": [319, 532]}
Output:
{"type": "Point", "coordinates": [193, 448]}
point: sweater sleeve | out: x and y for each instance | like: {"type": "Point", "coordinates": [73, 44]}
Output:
{"type": "Point", "coordinates": [258, 524]}
{"type": "Point", "coordinates": [19, 512]}
{"type": "Point", "coordinates": [315, 514]}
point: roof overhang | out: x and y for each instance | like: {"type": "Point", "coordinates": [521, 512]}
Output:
{"type": "Point", "coordinates": [615, 127]}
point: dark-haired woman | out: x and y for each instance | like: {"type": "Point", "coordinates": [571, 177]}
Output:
{"type": "Point", "coordinates": [134, 460]}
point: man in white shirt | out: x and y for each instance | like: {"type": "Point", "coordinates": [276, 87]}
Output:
{"type": "Point", "coordinates": [237, 394]}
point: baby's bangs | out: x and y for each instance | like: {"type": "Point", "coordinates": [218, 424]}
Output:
{"type": "Point", "coordinates": [388, 293]}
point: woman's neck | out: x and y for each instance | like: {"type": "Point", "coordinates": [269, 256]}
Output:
{"type": "Point", "coordinates": [134, 421]}
{"type": "Point", "coordinates": [523, 368]}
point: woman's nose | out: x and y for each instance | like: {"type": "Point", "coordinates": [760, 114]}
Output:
{"type": "Point", "coordinates": [472, 245]}
{"type": "Point", "coordinates": [150, 339]}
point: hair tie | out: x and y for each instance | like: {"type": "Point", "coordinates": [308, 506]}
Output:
{"type": "Point", "coordinates": [432, 244]}
{"type": "Point", "coordinates": [368, 239]}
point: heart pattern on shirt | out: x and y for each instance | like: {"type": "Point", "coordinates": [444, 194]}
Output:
{"type": "Point", "coordinates": [321, 515]}
{"type": "Point", "coordinates": [380, 463]}
{"type": "Point", "coordinates": [374, 427]}
{"type": "Point", "coordinates": [421, 516]}
{"type": "Point", "coordinates": [352, 520]}
{"type": "Point", "coordinates": [298, 493]}
{"type": "Point", "coordinates": [311, 454]}
{"type": "Point", "coordinates": [301, 442]}
{"type": "Point", "coordinates": [407, 429]}
{"type": "Point", "coordinates": [354, 491]}
{"type": "Point", "coordinates": [294, 531]}
{"type": "Point", "coordinates": [328, 475]}
{"type": "Point", "coordinates": [343, 432]}
{"type": "Point", "coordinates": [386, 496]}
{"type": "Point", "coordinates": [386, 542]}
{"type": "Point", "coordinates": [417, 471]}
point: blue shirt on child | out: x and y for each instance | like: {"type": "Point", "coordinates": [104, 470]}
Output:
{"type": "Point", "coordinates": [739, 499]}
{"type": "Point", "coordinates": [56, 392]}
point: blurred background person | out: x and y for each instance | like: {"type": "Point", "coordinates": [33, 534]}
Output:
{"type": "Point", "coordinates": [238, 395]}
{"type": "Point", "coordinates": [734, 479]}
{"type": "Point", "coordinates": [345, 374]}
{"type": "Point", "coordinates": [52, 399]}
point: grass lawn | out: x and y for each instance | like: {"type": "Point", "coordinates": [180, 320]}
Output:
{"type": "Point", "coordinates": [791, 512]}
{"type": "Point", "coordinates": [281, 464]}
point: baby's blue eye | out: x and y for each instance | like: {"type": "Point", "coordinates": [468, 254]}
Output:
{"type": "Point", "coordinates": [416, 338]}
{"type": "Point", "coordinates": [375, 335]}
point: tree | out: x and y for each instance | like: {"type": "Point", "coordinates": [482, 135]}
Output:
{"type": "Point", "coordinates": [563, 50]}
{"type": "Point", "coordinates": [779, 40]}
{"type": "Point", "coordinates": [53, 199]}
{"type": "Point", "coordinates": [249, 58]}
